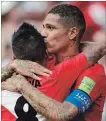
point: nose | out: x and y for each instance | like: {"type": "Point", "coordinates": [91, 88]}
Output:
{"type": "Point", "coordinates": [44, 33]}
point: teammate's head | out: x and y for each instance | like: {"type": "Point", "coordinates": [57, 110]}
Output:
{"type": "Point", "coordinates": [63, 26]}
{"type": "Point", "coordinates": [28, 44]}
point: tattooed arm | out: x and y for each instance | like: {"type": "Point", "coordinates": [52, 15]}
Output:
{"type": "Point", "coordinates": [50, 108]}
{"type": "Point", "coordinates": [93, 51]}
{"type": "Point", "coordinates": [25, 68]}
{"type": "Point", "coordinates": [6, 73]}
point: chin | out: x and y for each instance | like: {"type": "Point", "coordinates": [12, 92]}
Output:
{"type": "Point", "coordinates": [51, 51]}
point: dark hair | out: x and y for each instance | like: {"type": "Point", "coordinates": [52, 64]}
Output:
{"type": "Point", "coordinates": [28, 44]}
{"type": "Point", "coordinates": [71, 17]}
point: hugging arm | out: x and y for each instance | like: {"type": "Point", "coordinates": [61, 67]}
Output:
{"type": "Point", "coordinates": [93, 51]}
{"type": "Point", "coordinates": [25, 68]}
{"type": "Point", "coordinates": [50, 108]}
{"type": "Point", "coordinates": [6, 73]}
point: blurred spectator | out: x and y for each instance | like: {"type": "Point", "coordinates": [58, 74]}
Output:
{"type": "Point", "coordinates": [100, 36]}
{"type": "Point", "coordinates": [34, 12]}
{"type": "Point", "coordinates": [95, 16]}
{"type": "Point", "coordinates": [10, 19]}
{"type": "Point", "coordinates": [7, 54]}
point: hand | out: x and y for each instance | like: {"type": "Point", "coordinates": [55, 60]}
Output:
{"type": "Point", "coordinates": [14, 83]}
{"type": "Point", "coordinates": [28, 68]}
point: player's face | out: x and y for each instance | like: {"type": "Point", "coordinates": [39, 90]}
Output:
{"type": "Point", "coordinates": [56, 34]}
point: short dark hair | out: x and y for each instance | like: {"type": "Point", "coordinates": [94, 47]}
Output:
{"type": "Point", "coordinates": [71, 17]}
{"type": "Point", "coordinates": [28, 44]}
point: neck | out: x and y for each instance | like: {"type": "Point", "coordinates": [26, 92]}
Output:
{"type": "Point", "coordinates": [70, 53]}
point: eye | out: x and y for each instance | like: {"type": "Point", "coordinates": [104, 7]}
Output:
{"type": "Point", "coordinates": [50, 27]}
{"type": "Point", "coordinates": [43, 26]}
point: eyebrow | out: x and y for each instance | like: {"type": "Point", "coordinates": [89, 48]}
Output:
{"type": "Point", "coordinates": [50, 25]}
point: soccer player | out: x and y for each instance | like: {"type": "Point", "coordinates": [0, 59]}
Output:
{"type": "Point", "coordinates": [64, 27]}
{"type": "Point", "coordinates": [28, 44]}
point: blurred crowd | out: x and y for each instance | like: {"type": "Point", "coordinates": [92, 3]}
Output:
{"type": "Point", "coordinates": [14, 13]}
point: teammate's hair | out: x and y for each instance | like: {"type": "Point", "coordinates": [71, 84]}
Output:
{"type": "Point", "coordinates": [71, 16]}
{"type": "Point", "coordinates": [28, 44]}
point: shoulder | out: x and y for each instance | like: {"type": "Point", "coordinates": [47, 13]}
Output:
{"type": "Point", "coordinates": [92, 81]}
{"type": "Point", "coordinates": [94, 78]}
{"type": "Point", "coordinates": [95, 70]}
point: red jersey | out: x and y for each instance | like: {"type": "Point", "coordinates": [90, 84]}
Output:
{"type": "Point", "coordinates": [57, 86]}
{"type": "Point", "coordinates": [59, 83]}
{"type": "Point", "coordinates": [97, 78]}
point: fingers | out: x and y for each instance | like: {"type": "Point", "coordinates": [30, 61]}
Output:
{"type": "Point", "coordinates": [38, 68]}
{"type": "Point", "coordinates": [47, 71]}
{"type": "Point", "coordinates": [44, 74]}
{"type": "Point", "coordinates": [30, 74]}
{"type": "Point", "coordinates": [35, 69]}
{"type": "Point", "coordinates": [41, 72]}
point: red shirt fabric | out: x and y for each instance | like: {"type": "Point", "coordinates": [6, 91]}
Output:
{"type": "Point", "coordinates": [6, 115]}
{"type": "Point", "coordinates": [57, 85]}
{"type": "Point", "coordinates": [97, 94]}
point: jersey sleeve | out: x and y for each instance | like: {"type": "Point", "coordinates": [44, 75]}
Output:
{"type": "Point", "coordinates": [92, 81]}
{"type": "Point", "coordinates": [89, 86]}
{"type": "Point", "coordinates": [71, 68]}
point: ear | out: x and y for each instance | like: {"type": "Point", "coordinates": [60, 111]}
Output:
{"type": "Point", "coordinates": [73, 32]}
{"type": "Point", "coordinates": [13, 57]}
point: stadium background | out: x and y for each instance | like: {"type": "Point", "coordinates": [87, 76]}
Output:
{"type": "Point", "coordinates": [14, 13]}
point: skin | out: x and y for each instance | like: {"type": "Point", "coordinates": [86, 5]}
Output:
{"type": "Point", "coordinates": [52, 109]}
{"type": "Point", "coordinates": [24, 67]}
{"type": "Point", "coordinates": [59, 38]}
{"type": "Point", "coordinates": [5, 73]}
{"type": "Point", "coordinates": [60, 41]}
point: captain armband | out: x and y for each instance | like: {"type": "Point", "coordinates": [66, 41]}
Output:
{"type": "Point", "coordinates": [80, 99]}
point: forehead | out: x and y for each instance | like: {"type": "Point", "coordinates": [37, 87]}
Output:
{"type": "Point", "coordinates": [52, 19]}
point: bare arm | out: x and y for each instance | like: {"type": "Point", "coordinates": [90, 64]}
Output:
{"type": "Point", "coordinates": [93, 51]}
{"type": "Point", "coordinates": [25, 68]}
{"type": "Point", "coordinates": [50, 108]}
{"type": "Point", "coordinates": [6, 73]}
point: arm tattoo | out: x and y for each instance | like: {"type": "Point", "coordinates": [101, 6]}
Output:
{"type": "Point", "coordinates": [93, 51]}
{"type": "Point", "coordinates": [5, 73]}
{"type": "Point", "coordinates": [50, 108]}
